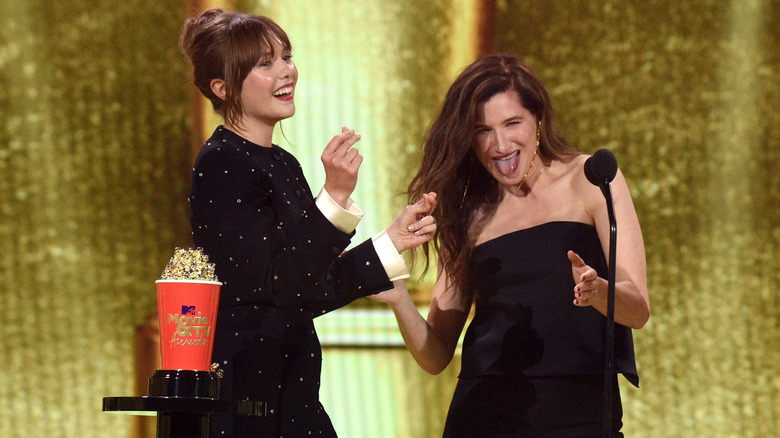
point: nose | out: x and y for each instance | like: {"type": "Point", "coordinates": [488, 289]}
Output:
{"type": "Point", "coordinates": [288, 69]}
{"type": "Point", "coordinates": [502, 144]}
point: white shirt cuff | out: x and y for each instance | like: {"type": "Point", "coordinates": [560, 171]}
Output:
{"type": "Point", "coordinates": [345, 220]}
{"type": "Point", "coordinates": [392, 261]}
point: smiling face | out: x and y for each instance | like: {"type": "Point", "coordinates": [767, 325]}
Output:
{"type": "Point", "coordinates": [268, 90]}
{"type": "Point", "coordinates": [505, 137]}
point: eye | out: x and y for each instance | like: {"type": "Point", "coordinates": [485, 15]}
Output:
{"type": "Point", "coordinates": [287, 57]}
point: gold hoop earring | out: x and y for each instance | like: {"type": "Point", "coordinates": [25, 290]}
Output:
{"type": "Point", "coordinates": [538, 134]}
{"type": "Point", "coordinates": [468, 182]}
{"type": "Point", "coordinates": [533, 159]}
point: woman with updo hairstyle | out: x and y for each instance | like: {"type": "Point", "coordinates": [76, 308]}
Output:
{"type": "Point", "coordinates": [277, 248]}
{"type": "Point", "coordinates": [522, 236]}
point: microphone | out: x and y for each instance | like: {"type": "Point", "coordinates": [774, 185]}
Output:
{"type": "Point", "coordinates": [601, 168]}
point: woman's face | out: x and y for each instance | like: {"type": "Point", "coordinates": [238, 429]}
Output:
{"type": "Point", "coordinates": [268, 90]}
{"type": "Point", "coordinates": [505, 137]}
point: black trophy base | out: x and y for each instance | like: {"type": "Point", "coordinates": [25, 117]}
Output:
{"type": "Point", "coordinates": [184, 401]}
{"type": "Point", "coordinates": [181, 424]}
{"type": "Point", "coordinates": [183, 417]}
{"type": "Point", "coordinates": [184, 383]}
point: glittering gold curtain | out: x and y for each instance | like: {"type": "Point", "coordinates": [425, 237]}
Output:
{"type": "Point", "coordinates": [95, 142]}
{"type": "Point", "coordinates": [93, 184]}
{"type": "Point", "coordinates": [685, 94]}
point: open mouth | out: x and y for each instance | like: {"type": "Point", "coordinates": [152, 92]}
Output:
{"type": "Point", "coordinates": [508, 163]}
{"type": "Point", "coordinates": [284, 93]}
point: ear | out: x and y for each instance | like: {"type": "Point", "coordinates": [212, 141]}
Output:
{"type": "Point", "coordinates": [218, 88]}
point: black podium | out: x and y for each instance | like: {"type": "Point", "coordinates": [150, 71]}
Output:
{"type": "Point", "coordinates": [184, 402]}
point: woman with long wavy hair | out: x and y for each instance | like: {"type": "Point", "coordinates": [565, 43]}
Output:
{"type": "Point", "coordinates": [521, 236]}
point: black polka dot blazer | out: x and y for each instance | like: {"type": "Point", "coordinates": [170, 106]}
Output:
{"type": "Point", "coordinates": [278, 258]}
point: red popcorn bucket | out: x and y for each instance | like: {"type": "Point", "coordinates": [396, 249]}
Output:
{"type": "Point", "coordinates": [187, 311]}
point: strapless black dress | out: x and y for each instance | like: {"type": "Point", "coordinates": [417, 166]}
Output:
{"type": "Point", "coordinates": [533, 362]}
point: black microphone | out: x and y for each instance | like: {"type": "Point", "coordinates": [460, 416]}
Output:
{"type": "Point", "coordinates": [601, 168]}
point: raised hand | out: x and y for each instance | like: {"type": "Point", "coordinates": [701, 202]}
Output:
{"type": "Point", "coordinates": [586, 279]}
{"type": "Point", "coordinates": [414, 225]}
{"type": "Point", "coordinates": [341, 162]}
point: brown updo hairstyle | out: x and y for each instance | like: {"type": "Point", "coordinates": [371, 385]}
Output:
{"type": "Point", "coordinates": [449, 166]}
{"type": "Point", "coordinates": [227, 45]}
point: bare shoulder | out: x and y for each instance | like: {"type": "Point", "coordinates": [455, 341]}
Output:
{"type": "Point", "coordinates": [588, 195]}
{"type": "Point", "coordinates": [571, 170]}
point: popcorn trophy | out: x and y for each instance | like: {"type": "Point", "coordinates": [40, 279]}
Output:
{"type": "Point", "coordinates": [185, 392]}
{"type": "Point", "coordinates": [187, 302]}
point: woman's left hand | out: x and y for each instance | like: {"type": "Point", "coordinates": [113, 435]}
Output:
{"type": "Point", "coordinates": [586, 279]}
{"type": "Point", "coordinates": [342, 162]}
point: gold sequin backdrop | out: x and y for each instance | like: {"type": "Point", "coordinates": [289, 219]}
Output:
{"type": "Point", "coordinates": [96, 129]}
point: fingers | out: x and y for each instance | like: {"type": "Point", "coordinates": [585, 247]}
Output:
{"type": "Point", "coordinates": [425, 225]}
{"type": "Point", "coordinates": [422, 212]}
{"type": "Point", "coordinates": [587, 289]}
{"type": "Point", "coordinates": [426, 204]}
{"type": "Point", "coordinates": [340, 153]}
{"type": "Point", "coordinates": [341, 144]}
{"type": "Point", "coordinates": [422, 209]}
{"type": "Point", "coordinates": [345, 148]}
{"type": "Point", "coordinates": [584, 292]}
{"type": "Point", "coordinates": [427, 199]}
{"type": "Point", "coordinates": [351, 154]}
{"type": "Point", "coordinates": [575, 259]}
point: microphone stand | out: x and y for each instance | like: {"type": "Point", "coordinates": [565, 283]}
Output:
{"type": "Point", "coordinates": [609, 353]}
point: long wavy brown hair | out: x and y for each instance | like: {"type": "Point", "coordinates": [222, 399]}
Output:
{"type": "Point", "coordinates": [449, 166]}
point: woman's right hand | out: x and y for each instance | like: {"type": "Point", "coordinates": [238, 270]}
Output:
{"type": "Point", "coordinates": [341, 162]}
{"type": "Point", "coordinates": [415, 225]}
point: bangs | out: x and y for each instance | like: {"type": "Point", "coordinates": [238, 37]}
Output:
{"type": "Point", "coordinates": [252, 39]}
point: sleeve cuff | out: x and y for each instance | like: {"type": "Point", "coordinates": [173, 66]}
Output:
{"type": "Point", "coordinates": [394, 264]}
{"type": "Point", "coordinates": [345, 220]}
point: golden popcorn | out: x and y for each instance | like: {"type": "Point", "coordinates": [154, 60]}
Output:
{"type": "Point", "coordinates": [189, 264]}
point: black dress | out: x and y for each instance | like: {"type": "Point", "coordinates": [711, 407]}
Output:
{"type": "Point", "coordinates": [278, 259]}
{"type": "Point", "coordinates": [533, 362]}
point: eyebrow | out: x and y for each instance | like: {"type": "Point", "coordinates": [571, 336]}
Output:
{"type": "Point", "coordinates": [270, 52]}
{"type": "Point", "coordinates": [507, 120]}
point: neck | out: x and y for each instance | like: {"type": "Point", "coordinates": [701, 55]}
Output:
{"type": "Point", "coordinates": [526, 187]}
{"type": "Point", "coordinates": [260, 134]}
